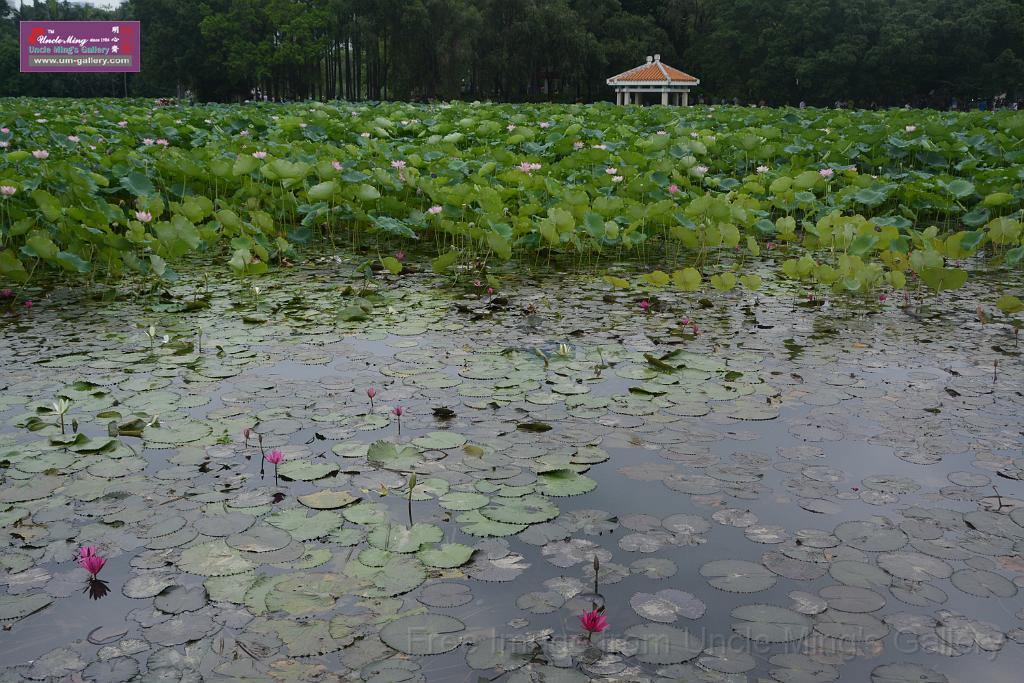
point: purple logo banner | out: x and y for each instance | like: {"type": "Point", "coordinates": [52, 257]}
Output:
{"type": "Point", "coordinates": [80, 46]}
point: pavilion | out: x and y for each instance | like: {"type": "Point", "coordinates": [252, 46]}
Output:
{"type": "Point", "coordinates": [642, 84]}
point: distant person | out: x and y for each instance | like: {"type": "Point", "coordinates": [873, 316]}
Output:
{"type": "Point", "coordinates": [803, 104]}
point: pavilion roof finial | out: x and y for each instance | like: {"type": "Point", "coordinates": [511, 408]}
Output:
{"type": "Point", "coordinates": [657, 57]}
{"type": "Point", "coordinates": [649, 59]}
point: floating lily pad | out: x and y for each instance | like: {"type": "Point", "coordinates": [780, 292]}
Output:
{"type": "Point", "coordinates": [738, 576]}
{"type": "Point", "coordinates": [770, 624]}
{"type": "Point", "coordinates": [423, 634]}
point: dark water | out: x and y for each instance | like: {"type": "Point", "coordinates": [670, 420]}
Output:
{"type": "Point", "coordinates": [862, 382]}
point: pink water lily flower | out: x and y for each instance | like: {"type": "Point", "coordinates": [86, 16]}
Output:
{"type": "Point", "coordinates": [434, 210]}
{"type": "Point", "coordinates": [29, 304]}
{"type": "Point", "coordinates": [700, 169]}
{"type": "Point", "coordinates": [611, 171]}
{"type": "Point", "coordinates": [336, 165]}
{"type": "Point", "coordinates": [510, 127]}
{"type": "Point", "coordinates": [398, 163]}
{"type": "Point", "coordinates": [161, 141]}
{"type": "Point", "coordinates": [5, 130]}
{"type": "Point", "coordinates": [544, 124]}
{"type": "Point", "coordinates": [90, 560]}
{"type": "Point", "coordinates": [122, 124]}
{"type": "Point", "coordinates": [371, 392]}
{"type": "Point", "coordinates": [762, 169]}
{"type": "Point", "coordinates": [259, 155]}
{"type": "Point", "coordinates": [40, 154]}
{"type": "Point", "coordinates": [6, 293]}
{"type": "Point", "coordinates": [4, 144]}
{"type": "Point", "coordinates": [883, 296]}
{"type": "Point", "coordinates": [826, 173]}
{"type": "Point", "coordinates": [147, 141]}
{"type": "Point", "coordinates": [645, 305]}
{"type": "Point", "coordinates": [616, 179]}
{"type": "Point", "coordinates": [275, 457]}
{"type": "Point", "coordinates": [398, 411]}
{"type": "Point", "coordinates": [399, 255]}
{"type": "Point", "coordinates": [7, 190]}
{"type": "Point", "coordinates": [673, 188]}
{"type": "Point", "coordinates": [144, 216]}
{"type": "Point", "coordinates": [579, 144]}
{"type": "Point", "coordinates": [73, 138]}
{"type": "Point", "coordinates": [593, 622]}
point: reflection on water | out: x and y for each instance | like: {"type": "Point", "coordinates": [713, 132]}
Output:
{"type": "Point", "coordinates": [752, 442]}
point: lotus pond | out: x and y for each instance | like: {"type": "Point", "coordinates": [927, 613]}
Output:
{"type": "Point", "coordinates": [786, 488]}
{"type": "Point", "coordinates": [745, 382]}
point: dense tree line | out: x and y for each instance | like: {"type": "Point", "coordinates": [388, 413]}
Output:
{"type": "Point", "coordinates": [886, 52]}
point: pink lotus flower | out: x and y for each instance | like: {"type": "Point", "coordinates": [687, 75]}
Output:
{"type": "Point", "coordinates": [616, 179]}
{"type": "Point", "coordinates": [662, 132]}
{"type": "Point", "coordinates": [4, 144]}
{"type": "Point", "coordinates": [73, 138]}
{"type": "Point", "coordinates": [490, 291]}
{"type": "Point", "coordinates": [645, 305]}
{"type": "Point", "coordinates": [144, 216]}
{"type": "Point", "coordinates": [510, 127]}
{"type": "Point", "coordinates": [398, 163]}
{"type": "Point", "coordinates": [163, 142]}
{"type": "Point", "coordinates": [696, 330]}
{"type": "Point", "coordinates": [29, 304]}
{"type": "Point", "coordinates": [435, 210]}
{"type": "Point", "coordinates": [526, 167]}
{"type": "Point", "coordinates": [700, 169]}
{"type": "Point", "coordinates": [5, 130]}
{"type": "Point", "coordinates": [611, 171]}
{"type": "Point", "coordinates": [762, 169]}
{"type": "Point", "coordinates": [593, 622]}
{"type": "Point", "coordinates": [477, 284]}
{"type": "Point", "coordinates": [40, 154]}
{"type": "Point", "coordinates": [147, 141]}
{"type": "Point", "coordinates": [90, 561]}
{"type": "Point", "coordinates": [883, 296]}
{"type": "Point", "coordinates": [826, 173]}
{"type": "Point", "coordinates": [336, 165]}
{"type": "Point", "coordinates": [685, 321]}
{"type": "Point", "coordinates": [7, 190]}
{"type": "Point", "coordinates": [398, 411]}
{"type": "Point", "coordinates": [673, 188]}
{"type": "Point", "coordinates": [122, 124]}
{"type": "Point", "coordinates": [244, 132]}
{"type": "Point", "coordinates": [259, 155]}
{"type": "Point", "coordinates": [400, 255]}
{"type": "Point", "coordinates": [769, 245]}
{"type": "Point", "coordinates": [544, 124]}
{"type": "Point", "coordinates": [371, 392]}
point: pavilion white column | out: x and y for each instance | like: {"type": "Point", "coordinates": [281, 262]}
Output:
{"type": "Point", "coordinates": [686, 98]}
{"type": "Point", "coordinates": [664, 98]}
{"type": "Point", "coordinates": [625, 97]}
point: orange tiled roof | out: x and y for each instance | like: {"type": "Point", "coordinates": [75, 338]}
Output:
{"type": "Point", "coordinates": [655, 71]}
